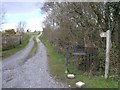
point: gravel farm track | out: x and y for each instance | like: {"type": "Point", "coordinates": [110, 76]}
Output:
{"type": "Point", "coordinates": [19, 72]}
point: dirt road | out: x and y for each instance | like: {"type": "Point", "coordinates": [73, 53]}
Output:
{"type": "Point", "coordinates": [33, 73]}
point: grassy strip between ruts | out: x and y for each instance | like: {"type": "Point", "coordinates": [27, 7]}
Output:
{"type": "Point", "coordinates": [34, 49]}
{"type": "Point", "coordinates": [57, 69]}
{"type": "Point", "coordinates": [10, 52]}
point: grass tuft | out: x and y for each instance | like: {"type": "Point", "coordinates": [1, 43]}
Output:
{"type": "Point", "coordinates": [34, 49]}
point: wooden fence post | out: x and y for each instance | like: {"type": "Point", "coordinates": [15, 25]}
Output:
{"type": "Point", "coordinates": [66, 63]}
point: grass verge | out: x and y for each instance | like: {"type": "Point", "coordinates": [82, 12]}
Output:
{"type": "Point", "coordinates": [34, 49]}
{"type": "Point", "coordinates": [57, 68]}
{"type": "Point", "coordinates": [10, 52]}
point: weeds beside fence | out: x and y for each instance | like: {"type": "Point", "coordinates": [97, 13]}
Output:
{"type": "Point", "coordinates": [56, 63]}
{"type": "Point", "coordinates": [11, 51]}
{"type": "Point", "coordinates": [11, 41]}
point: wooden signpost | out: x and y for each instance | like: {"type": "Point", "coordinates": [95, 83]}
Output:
{"type": "Point", "coordinates": [107, 34]}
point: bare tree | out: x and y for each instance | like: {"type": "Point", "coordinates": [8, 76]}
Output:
{"type": "Point", "coordinates": [2, 15]}
{"type": "Point", "coordinates": [21, 26]}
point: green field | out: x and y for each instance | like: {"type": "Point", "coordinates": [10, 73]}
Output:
{"type": "Point", "coordinates": [57, 68]}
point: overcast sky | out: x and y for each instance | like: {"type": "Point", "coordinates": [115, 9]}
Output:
{"type": "Point", "coordinates": [28, 12]}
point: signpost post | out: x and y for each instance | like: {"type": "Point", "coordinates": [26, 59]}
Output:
{"type": "Point", "coordinates": [107, 34]}
{"type": "Point", "coordinates": [66, 63]}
